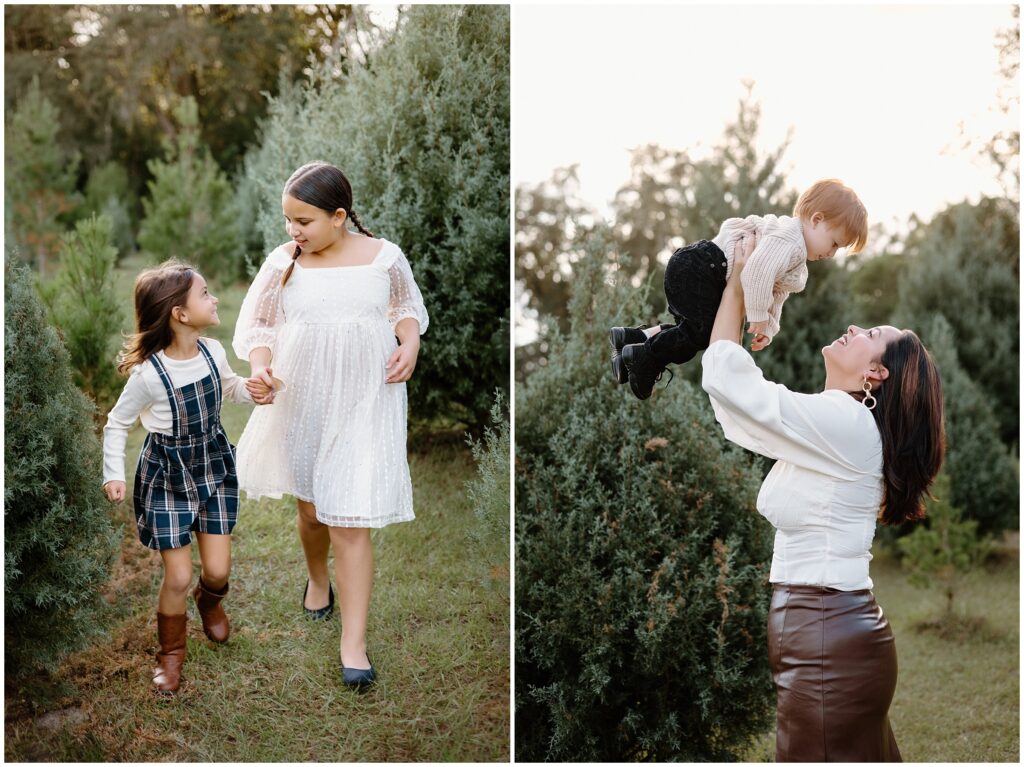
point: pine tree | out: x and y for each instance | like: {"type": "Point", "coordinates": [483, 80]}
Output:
{"type": "Point", "coordinates": [984, 477]}
{"type": "Point", "coordinates": [190, 212]}
{"type": "Point", "coordinates": [107, 193]}
{"type": "Point", "coordinates": [83, 304]}
{"type": "Point", "coordinates": [965, 265]}
{"type": "Point", "coordinates": [945, 548]}
{"type": "Point", "coordinates": [641, 564]}
{"type": "Point", "coordinates": [39, 179]}
{"type": "Point", "coordinates": [59, 540]}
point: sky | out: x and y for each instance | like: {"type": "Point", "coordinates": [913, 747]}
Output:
{"type": "Point", "coordinates": [874, 94]}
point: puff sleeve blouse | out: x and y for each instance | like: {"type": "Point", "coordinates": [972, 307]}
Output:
{"type": "Point", "coordinates": [824, 492]}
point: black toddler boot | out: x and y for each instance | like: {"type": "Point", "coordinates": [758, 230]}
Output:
{"type": "Point", "coordinates": [642, 368]}
{"type": "Point", "coordinates": [619, 337]}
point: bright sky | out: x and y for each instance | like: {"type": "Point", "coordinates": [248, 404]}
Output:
{"type": "Point", "coordinates": [874, 93]}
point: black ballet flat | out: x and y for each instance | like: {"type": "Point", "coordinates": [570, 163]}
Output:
{"type": "Point", "coordinates": [359, 679]}
{"type": "Point", "coordinates": [322, 613]}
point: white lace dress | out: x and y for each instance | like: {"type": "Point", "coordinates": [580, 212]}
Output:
{"type": "Point", "coordinates": [335, 436]}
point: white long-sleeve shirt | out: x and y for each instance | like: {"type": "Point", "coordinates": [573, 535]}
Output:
{"type": "Point", "coordinates": [145, 397]}
{"type": "Point", "coordinates": [776, 268]}
{"type": "Point", "coordinates": [824, 492]}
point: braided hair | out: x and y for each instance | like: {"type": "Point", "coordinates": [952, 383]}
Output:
{"type": "Point", "coordinates": [323, 186]}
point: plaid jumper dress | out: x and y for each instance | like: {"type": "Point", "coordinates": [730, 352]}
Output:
{"type": "Point", "coordinates": [187, 480]}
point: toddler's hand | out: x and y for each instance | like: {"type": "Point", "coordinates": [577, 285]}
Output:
{"type": "Point", "coordinates": [114, 490]}
{"type": "Point", "coordinates": [758, 328]}
{"type": "Point", "coordinates": [760, 341]}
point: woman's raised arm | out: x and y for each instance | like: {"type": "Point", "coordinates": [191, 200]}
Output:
{"type": "Point", "coordinates": [729, 320]}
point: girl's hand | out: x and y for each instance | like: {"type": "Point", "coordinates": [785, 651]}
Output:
{"type": "Point", "coordinates": [403, 362]}
{"type": "Point", "coordinates": [115, 490]}
{"type": "Point", "coordinates": [760, 341]}
{"type": "Point", "coordinates": [261, 386]}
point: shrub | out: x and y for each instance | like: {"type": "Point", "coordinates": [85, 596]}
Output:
{"type": "Point", "coordinates": [59, 541]}
{"type": "Point", "coordinates": [422, 132]}
{"type": "Point", "coordinates": [490, 491]}
{"type": "Point", "coordinates": [190, 212]}
{"type": "Point", "coordinates": [641, 564]}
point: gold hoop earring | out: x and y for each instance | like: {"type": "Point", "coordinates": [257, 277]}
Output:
{"type": "Point", "coordinates": [867, 395]}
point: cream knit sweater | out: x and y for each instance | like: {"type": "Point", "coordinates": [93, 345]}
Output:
{"type": "Point", "coordinates": [776, 268]}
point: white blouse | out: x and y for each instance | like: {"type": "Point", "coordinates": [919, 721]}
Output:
{"type": "Point", "coordinates": [824, 492]}
{"type": "Point", "coordinates": [145, 397]}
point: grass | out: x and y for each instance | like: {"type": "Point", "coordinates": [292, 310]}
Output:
{"type": "Point", "coordinates": [957, 699]}
{"type": "Point", "coordinates": [439, 635]}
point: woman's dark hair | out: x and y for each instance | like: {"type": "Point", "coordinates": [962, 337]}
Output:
{"type": "Point", "coordinates": [323, 186]}
{"type": "Point", "coordinates": [157, 292]}
{"type": "Point", "coordinates": [910, 422]}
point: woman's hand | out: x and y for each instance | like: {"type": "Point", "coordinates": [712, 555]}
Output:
{"type": "Point", "coordinates": [261, 385]}
{"type": "Point", "coordinates": [115, 490]}
{"type": "Point", "coordinates": [741, 251]}
{"type": "Point", "coordinates": [401, 364]}
{"type": "Point", "coordinates": [729, 318]}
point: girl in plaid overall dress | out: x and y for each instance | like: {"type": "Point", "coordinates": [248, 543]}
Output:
{"type": "Point", "coordinates": [185, 481]}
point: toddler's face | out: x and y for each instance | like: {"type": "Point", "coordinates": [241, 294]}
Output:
{"type": "Point", "coordinates": [310, 228]}
{"type": "Point", "coordinates": [821, 239]}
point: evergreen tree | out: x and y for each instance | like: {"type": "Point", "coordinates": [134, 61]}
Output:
{"type": "Point", "coordinates": [39, 179]}
{"type": "Point", "coordinates": [59, 542]}
{"type": "Point", "coordinates": [422, 133]}
{"type": "Point", "coordinates": [641, 564]}
{"type": "Point", "coordinates": [190, 212]}
{"type": "Point", "coordinates": [984, 477]}
{"type": "Point", "coordinates": [965, 265]}
{"type": "Point", "coordinates": [83, 303]}
{"type": "Point", "coordinates": [107, 193]}
{"type": "Point", "coordinates": [945, 548]}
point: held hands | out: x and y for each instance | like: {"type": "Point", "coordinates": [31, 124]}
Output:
{"type": "Point", "coordinates": [114, 490]}
{"type": "Point", "coordinates": [262, 386]}
{"type": "Point", "coordinates": [401, 364]}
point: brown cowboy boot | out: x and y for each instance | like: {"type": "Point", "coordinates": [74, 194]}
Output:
{"type": "Point", "coordinates": [171, 631]}
{"type": "Point", "coordinates": [215, 621]}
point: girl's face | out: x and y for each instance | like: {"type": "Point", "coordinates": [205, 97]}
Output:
{"type": "Point", "coordinates": [311, 228]}
{"type": "Point", "coordinates": [858, 352]}
{"type": "Point", "coordinates": [200, 309]}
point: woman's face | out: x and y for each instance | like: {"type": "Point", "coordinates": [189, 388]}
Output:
{"type": "Point", "coordinates": [311, 228]}
{"type": "Point", "coordinates": [858, 352]}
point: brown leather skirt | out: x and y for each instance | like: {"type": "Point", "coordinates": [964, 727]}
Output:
{"type": "Point", "coordinates": [833, 661]}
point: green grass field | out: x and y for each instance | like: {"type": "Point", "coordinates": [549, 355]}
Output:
{"type": "Point", "coordinates": [957, 700]}
{"type": "Point", "coordinates": [439, 636]}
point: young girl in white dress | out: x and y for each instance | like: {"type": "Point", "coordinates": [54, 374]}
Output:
{"type": "Point", "coordinates": [322, 316]}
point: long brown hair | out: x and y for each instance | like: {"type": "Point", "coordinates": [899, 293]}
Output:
{"type": "Point", "coordinates": [323, 186]}
{"type": "Point", "coordinates": [157, 291]}
{"type": "Point", "coordinates": [909, 415]}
